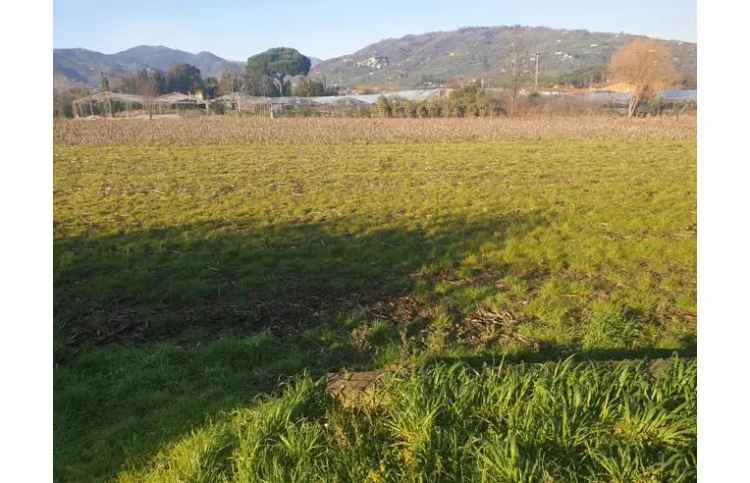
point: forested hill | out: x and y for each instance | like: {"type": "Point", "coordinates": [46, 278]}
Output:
{"type": "Point", "coordinates": [437, 57]}
{"type": "Point", "coordinates": [85, 66]}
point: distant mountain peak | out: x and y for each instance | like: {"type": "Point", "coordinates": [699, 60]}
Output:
{"type": "Point", "coordinates": [148, 48]}
{"type": "Point", "coordinates": [84, 66]}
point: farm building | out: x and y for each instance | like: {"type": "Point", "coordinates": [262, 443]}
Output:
{"type": "Point", "coordinates": [325, 105]}
{"type": "Point", "coordinates": [105, 103]}
{"type": "Point", "coordinates": [108, 103]}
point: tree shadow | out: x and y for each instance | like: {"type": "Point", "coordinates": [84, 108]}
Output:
{"type": "Point", "coordinates": [159, 330]}
{"type": "Point", "coordinates": [238, 278]}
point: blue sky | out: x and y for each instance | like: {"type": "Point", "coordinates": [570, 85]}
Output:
{"type": "Point", "coordinates": [328, 28]}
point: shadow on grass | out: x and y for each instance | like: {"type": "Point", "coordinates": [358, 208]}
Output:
{"type": "Point", "coordinates": [115, 406]}
{"type": "Point", "coordinates": [235, 278]}
{"type": "Point", "coordinates": [159, 330]}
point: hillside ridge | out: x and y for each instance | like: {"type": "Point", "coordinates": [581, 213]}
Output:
{"type": "Point", "coordinates": [436, 58]}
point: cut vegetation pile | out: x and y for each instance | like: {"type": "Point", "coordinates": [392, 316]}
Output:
{"type": "Point", "coordinates": [190, 279]}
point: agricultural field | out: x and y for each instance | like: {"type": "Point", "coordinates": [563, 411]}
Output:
{"type": "Point", "coordinates": [527, 288]}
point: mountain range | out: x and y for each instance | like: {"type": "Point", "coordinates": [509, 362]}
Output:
{"type": "Point", "coordinates": [82, 66]}
{"type": "Point", "coordinates": [424, 60]}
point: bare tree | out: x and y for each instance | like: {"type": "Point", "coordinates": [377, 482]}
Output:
{"type": "Point", "coordinates": [147, 87]}
{"type": "Point", "coordinates": [647, 65]}
{"type": "Point", "coordinates": [59, 89]}
{"type": "Point", "coordinates": [519, 52]}
{"type": "Point", "coordinates": [228, 84]}
{"type": "Point", "coordinates": [64, 95]}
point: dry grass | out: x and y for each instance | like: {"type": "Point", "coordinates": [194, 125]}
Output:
{"type": "Point", "coordinates": [234, 130]}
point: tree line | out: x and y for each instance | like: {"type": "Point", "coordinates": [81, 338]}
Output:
{"type": "Point", "coordinates": [276, 72]}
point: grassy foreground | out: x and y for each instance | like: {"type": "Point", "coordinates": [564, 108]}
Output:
{"type": "Point", "coordinates": [191, 279]}
{"type": "Point", "coordinates": [560, 422]}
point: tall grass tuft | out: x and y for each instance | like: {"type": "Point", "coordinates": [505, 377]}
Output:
{"type": "Point", "coordinates": [561, 421]}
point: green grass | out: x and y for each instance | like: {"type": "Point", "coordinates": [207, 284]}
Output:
{"type": "Point", "coordinates": [558, 422]}
{"type": "Point", "coordinates": [190, 280]}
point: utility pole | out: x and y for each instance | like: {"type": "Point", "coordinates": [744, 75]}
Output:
{"type": "Point", "coordinates": [536, 74]}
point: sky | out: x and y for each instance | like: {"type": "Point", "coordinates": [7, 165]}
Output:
{"type": "Point", "coordinates": [238, 29]}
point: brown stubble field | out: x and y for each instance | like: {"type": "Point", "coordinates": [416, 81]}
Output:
{"type": "Point", "coordinates": [242, 130]}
